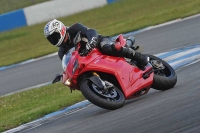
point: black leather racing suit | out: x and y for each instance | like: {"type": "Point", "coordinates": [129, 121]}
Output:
{"type": "Point", "coordinates": [104, 44]}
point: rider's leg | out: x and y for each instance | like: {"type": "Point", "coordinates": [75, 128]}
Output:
{"type": "Point", "coordinates": [107, 47]}
{"type": "Point", "coordinates": [132, 54]}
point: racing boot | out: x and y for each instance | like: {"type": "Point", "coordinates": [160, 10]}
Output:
{"type": "Point", "coordinates": [132, 54]}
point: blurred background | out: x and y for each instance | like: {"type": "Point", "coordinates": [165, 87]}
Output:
{"type": "Point", "coordinates": [10, 5]}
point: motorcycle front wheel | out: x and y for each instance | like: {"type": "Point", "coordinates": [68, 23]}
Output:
{"type": "Point", "coordinates": [110, 99]}
{"type": "Point", "coordinates": [165, 77]}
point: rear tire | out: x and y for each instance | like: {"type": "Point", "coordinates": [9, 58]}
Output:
{"type": "Point", "coordinates": [164, 79]}
{"type": "Point", "coordinates": [111, 100]}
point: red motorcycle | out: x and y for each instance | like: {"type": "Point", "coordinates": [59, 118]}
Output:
{"type": "Point", "coordinates": [108, 81]}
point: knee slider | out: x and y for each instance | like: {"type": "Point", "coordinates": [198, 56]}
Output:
{"type": "Point", "coordinates": [117, 47]}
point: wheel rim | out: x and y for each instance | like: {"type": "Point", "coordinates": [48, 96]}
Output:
{"type": "Point", "coordinates": [157, 64]}
{"type": "Point", "coordinates": [110, 94]}
{"type": "Point", "coordinates": [161, 68]}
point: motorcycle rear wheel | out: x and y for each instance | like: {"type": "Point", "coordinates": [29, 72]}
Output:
{"type": "Point", "coordinates": [113, 99]}
{"type": "Point", "coordinates": [163, 79]}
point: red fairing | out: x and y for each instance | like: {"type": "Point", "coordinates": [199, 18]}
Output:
{"type": "Point", "coordinates": [129, 77]}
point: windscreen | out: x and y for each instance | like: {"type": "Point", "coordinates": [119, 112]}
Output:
{"type": "Point", "coordinates": [66, 58]}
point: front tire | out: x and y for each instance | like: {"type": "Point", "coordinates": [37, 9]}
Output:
{"type": "Point", "coordinates": [112, 99]}
{"type": "Point", "coordinates": [164, 79]}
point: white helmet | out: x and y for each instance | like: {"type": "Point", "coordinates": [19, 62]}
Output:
{"type": "Point", "coordinates": [55, 32]}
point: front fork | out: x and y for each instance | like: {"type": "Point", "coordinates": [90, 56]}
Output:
{"type": "Point", "coordinates": [104, 85]}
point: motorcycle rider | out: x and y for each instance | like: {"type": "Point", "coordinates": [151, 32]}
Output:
{"type": "Point", "coordinates": [62, 36]}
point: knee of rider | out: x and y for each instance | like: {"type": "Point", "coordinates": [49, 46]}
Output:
{"type": "Point", "coordinates": [106, 49]}
{"type": "Point", "coordinates": [117, 47]}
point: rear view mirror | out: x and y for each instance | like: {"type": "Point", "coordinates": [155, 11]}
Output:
{"type": "Point", "coordinates": [57, 78]}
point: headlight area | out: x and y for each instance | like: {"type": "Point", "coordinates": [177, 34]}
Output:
{"type": "Point", "coordinates": [77, 67]}
{"type": "Point", "coordinates": [76, 70]}
{"type": "Point", "coordinates": [68, 82]}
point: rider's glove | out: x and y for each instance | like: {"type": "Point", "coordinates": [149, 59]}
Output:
{"type": "Point", "coordinates": [84, 52]}
{"type": "Point", "coordinates": [91, 44]}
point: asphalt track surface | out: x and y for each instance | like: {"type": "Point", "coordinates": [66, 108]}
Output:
{"type": "Point", "coordinates": [176, 110]}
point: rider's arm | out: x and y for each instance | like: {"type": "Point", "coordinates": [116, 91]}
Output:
{"type": "Point", "coordinates": [85, 31]}
{"type": "Point", "coordinates": [62, 52]}
{"type": "Point", "coordinates": [63, 49]}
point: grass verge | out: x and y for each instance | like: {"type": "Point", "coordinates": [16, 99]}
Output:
{"type": "Point", "coordinates": [29, 42]}
{"type": "Point", "coordinates": [29, 105]}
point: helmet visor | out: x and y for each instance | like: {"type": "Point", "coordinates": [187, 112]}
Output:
{"type": "Point", "coordinates": [54, 38]}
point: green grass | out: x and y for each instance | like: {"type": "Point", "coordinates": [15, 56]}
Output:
{"type": "Point", "coordinates": [29, 42]}
{"type": "Point", "coordinates": [10, 5]}
{"type": "Point", "coordinates": [128, 15]}
{"type": "Point", "coordinates": [26, 106]}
